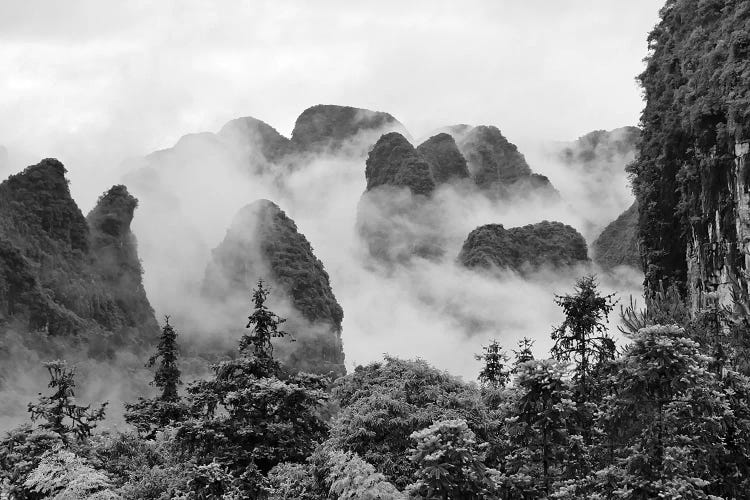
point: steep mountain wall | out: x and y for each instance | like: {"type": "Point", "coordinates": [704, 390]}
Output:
{"type": "Point", "coordinates": [617, 245]}
{"type": "Point", "coordinates": [396, 216]}
{"type": "Point", "coordinates": [62, 274]}
{"type": "Point", "coordinates": [263, 242]}
{"type": "Point", "coordinates": [691, 175]}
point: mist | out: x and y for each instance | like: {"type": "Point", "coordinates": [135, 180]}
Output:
{"type": "Point", "coordinates": [100, 86]}
{"type": "Point", "coordinates": [434, 309]}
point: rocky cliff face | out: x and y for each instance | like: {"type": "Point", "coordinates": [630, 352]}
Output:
{"type": "Point", "coordinates": [263, 242]}
{"type": "Point", "coordinates": [447, 164]}
{"type": "Point", "coordinates": [495, 164]}
{"type": "Point", "coordinates": [58, 274]}
{"type": "Point", "coordinates": [396, 217]}
{"type": "Point", "coordinates": [617, 245]}
{"type": "Point", "coordinates": [690, 176]}
{"type": "Point", "coordinates": [523, 249]}
{"type": "Point", "coordinates": [393, 161]}
{"type": "Point", "coordinates": [328, 128]}
{"type": "Point", "coordinates": [115, 256]}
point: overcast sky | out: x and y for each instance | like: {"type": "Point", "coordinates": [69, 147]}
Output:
{"type": "Point", "coordinates": [93, 81]}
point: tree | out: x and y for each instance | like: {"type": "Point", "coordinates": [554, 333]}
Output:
{"type": "Point", "coordinates": [62, 475]}
{"type": "Point", "coordinates": [582, 338]}
{"type": "Point", "coordinates": [250, 416]}
{"type": "Point", "coordinates": [450, 463]}
{"type": "Point", "coordinates": [494, 372]}
{"type": "Point", "coordinates": [667, 416]}
{"type": "Point", "coordinates": [383, 403]}
{"type": "Point", "coordinates": [59, 412]}
{"type": "Point", "coordinates": [523, 354]}
{"type": "Point", "coordinates": [537, 429]}
{"type": "Point", "coordinates": [150, 415]}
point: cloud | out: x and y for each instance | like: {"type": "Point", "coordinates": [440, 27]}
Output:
{"type": "Point", "coordinates": [91, 82]}
{"type": "Point", "coordinates": [94, 82]}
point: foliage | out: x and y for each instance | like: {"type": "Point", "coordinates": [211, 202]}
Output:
{"type": "Point", "coordinates": [697, 107]}
{"type": "Point", "coordinates": [450, 463]}
{"type": "Point", "coordinates": [150, 415]}
{"type": "Point", "coordinates": [246, 418]}
{"type": "Point", "coordinates": [666, 414]}
{"type": "Point", "coordinates": [494, 373]}
{"type": "Point", "coordinates": [59, 412]}
{"type": "Point", "coordinates": [537, 430]}
{"type": "Point", "coordinates": [533, 246]}
{"type": "Point", "coordinates": [663, 307]}
{"type": "Point", "coordinates": [62, 475]}
{"type": "Point", "coordinates": [524, 353]}
{"type": "Point", "coordinates": [351, 477]}
{"type": "Point", "coordinates": [617, 245]}
{"type": "Point", "coordinates": [582, 337]}
{"type": "Point", "coordinates": [447, 164]}
{"type": "Point", "coordinates": [21, 450]}
{"type": "Point", "coordinates": [292, 481]}
{"type": "Point", "coordinates": [382, 404]}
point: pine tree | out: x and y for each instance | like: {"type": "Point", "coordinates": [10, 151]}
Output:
{"type": "Point", "coordinates": [582, 338]}
{"type": "Point", "coordinates": [668, 417]}
{"type": "Point", "coordinates": [247, 419]}
{"type": "Point", "coordinates": [537, 429]}
{"type": "Point", "coordinates": [494, 372]}
{"type": "Point", "coordinates": [167, 376]}
{"type": "Point", "coordinates": [58, 412]}
{"type": "Point", "coordinates": [153, 414]}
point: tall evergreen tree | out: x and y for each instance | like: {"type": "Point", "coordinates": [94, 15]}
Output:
{"type": "Point", "coordinates": [494, 373]}
{"type": "Point", "coordinates": [152, 414]}
{"type": "Point", "coordinates": [537, 430]}
{"type": "Point", "coordinates": [167, 376]}
{"type": "Point", "coordinates": [668, 417]}
{"type": "Point", "coordinates": [251, 416]}
{"type": "Point", "coordinates": [582, 337]}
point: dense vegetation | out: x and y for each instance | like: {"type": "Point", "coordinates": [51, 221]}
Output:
{"type": "Point", "coordinates": [326, 128]}
{"type": "Point", "coordinates": [62, 274]}
{"type": "Point", "coordinates": [667, 416]}
{"type": "Point", "coordinates": [447, 164]}
{"type": "Point", "coordinates": [552, 244]}
{"type": "Point", "coordinates": [602, 147]}
{"type": "Point", "coordinates": [393, 161]}
{"type": "Point", "coordinates": [697, 109]}
{"type": "Point", "coordinates": [617, 245]}
{"type": "Point", "coordinates": [496, 166]}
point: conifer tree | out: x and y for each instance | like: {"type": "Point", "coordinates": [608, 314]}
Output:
{"type": "Point", "coordinates": [150, 415]}
{"type": "Point", "coordinates": [494, 372]}
{"type": "Point", "coordinates": [668, 416]}
{"type": "Point", "coordinates": [537, 429]}
{"type": "Point", "coordinates": [58, 412]}
{"type": "Point", "coordinates": [582, 337]}
{"type": "Point", "coordinates": [251, 416]}
{"type": "Point", "coordinates": [167, 376]}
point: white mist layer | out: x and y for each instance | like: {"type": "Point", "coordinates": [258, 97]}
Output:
{"type": "Point", "coordinates": [438, 311]}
